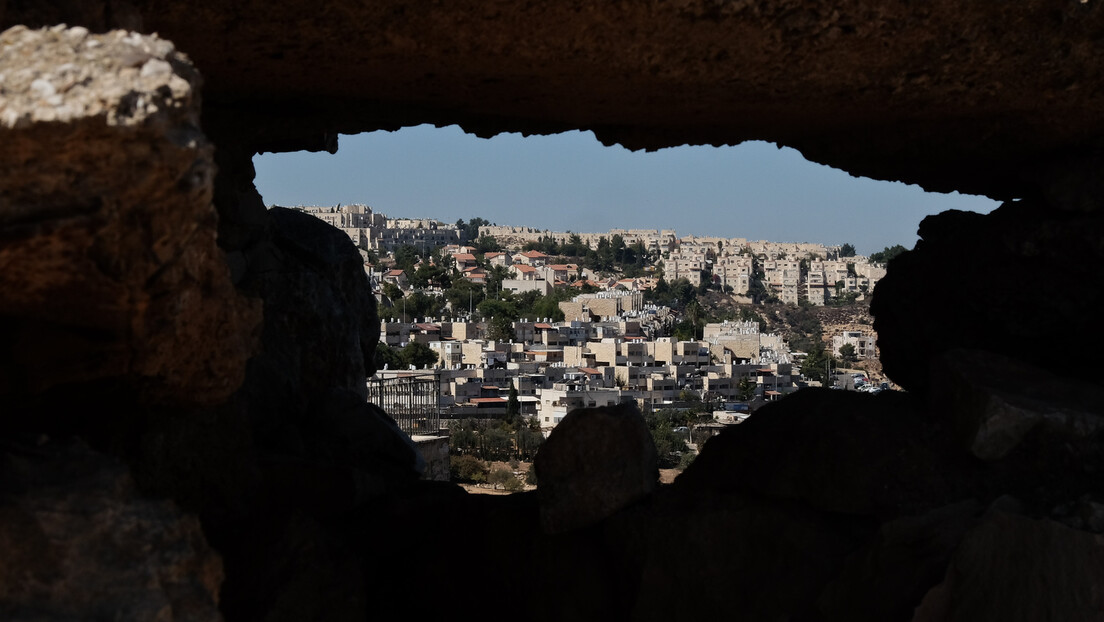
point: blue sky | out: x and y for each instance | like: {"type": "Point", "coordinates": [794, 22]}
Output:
{"type": "Point", "coordinates": [571, 182]}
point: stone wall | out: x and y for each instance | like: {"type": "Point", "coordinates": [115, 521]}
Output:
{"type": "Point", "coordinates": [435, 453]}
{"type": "Point", "coordinates": [228, 379]}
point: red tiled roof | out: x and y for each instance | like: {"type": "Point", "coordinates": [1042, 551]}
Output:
{"type": "Point", "coordinates": [533, 254]}
{"type": "Point", "coordinates": [524, 268]}
{"type": "Point", "coordinates": [487, 400]}
{"type": "Point", "coordinates": [464, 257]}
{"type": "Point", "coordinates": [590, 370]}
{"type": "Point", "coordinates": [427, 327]}
{"type": "Point", "coordinates": [394, 272]}
{"type": "Point", "coordinates": [543, 326]}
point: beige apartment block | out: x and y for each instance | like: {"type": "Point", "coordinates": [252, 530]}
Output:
{"type": "Point", "coordinates": [740, 338]}
{"type": "Point", "coordinates": [603, 304]}
{"type": "Point", "coordinates": [863, 343]}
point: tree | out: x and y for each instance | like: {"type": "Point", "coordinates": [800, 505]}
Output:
{"type": "Point", "coordinates": [884, 256]}
{"type": "Point", "coordinates": [501, 328]}
{"type": "Point", "coordinates": [513, 406]}
{"type": "Point", "coordinates": [468, 468]}
{"type": "Point", "coordinates": [386, 356]}
{"type": "Point", "coordinates": [419, 355]}
{"type": "Point", "coordinates": [495, 308]}
{"type": "Point", "coordinates": [847, 250]}
{"type": "Point", "coordinates": [817, 365]}
{"type": "Point", "coordinates": [745, 390]}
{"type": "Point", "coordinates": [405, 258]}
{"type": "Point", "coordinates": [487, 244]}
{"type": "Point", "coordinates": [392, 291]}
{"type": "Point", "coordinates": [528, 439]}
{"type": "Point", "coordinates": [847, 354]}
{"type": "Point", "coordinates": [669, 445]}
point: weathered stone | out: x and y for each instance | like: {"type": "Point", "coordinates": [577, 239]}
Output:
{"type": "Point", "coordinates": [717, 556]}
{"type": "Point", "coordinates": [80, 544]}
{"type": "Point", "coordinates": [1012, 568]}
{"type": "Point", "coordinates": [993, 282]}
{"type": "Point", "coordinates": [887, 578]}
{"type": "Point", "coordinates": [109, 263]}
{"type": "Point", "coordinates": [597, 461]}
{"type": "Point", "coordinates": [934, 94]}
{"type": "Point", "coordinates": [837, 451]}
{"type": "Point", "coordinates": [993, 402]}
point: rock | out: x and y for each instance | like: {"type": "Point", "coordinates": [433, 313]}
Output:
{"type": "Point", "coordinates": [993, 282]}
{"type": "Point", "coordinates": [1011, 568]}
{"type": "Point", "coordinates": [110, 267]}
{"type": "Point", "coordinates": [79, 543]}
{"type": "Point", "coordinates": [862, 86]}
{"type": "Point", "coordinates": [887, 578]}
{"type": "Point", "coordinates": [596, 462]}
{"type": "Point", "coordinates": [718, 556]}
{"type": "Point", "coordinates": [994, 402]}
{"type": "Point", "coordinates": [836, 451]}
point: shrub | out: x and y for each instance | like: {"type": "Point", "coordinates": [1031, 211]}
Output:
{"type": "Point", "coordinates": [468, 469]}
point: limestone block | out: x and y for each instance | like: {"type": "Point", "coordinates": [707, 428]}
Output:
{"type": "Point", "coordinates": [596, 462]}
{"type": "Point", "coordinates": [108, 262]}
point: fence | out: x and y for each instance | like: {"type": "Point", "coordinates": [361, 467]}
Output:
{"type": "Point", "coordinates": [414, 402]}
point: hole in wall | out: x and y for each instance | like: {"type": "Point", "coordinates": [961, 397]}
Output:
{"type": "Point", "coordinates": [571, 182]}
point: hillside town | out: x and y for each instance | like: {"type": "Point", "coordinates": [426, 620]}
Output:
{"type": "Point", "coordinates": [513, 320]}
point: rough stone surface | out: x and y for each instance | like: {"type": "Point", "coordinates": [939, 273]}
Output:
{"type": "Point", "coordinates": [934, 94]}
{"type": "Point", "coordinates": [891, 573]}
{"type": "Point", "coordinates": [994, 402]}
{"type": "Point", "coordinates": [823, 506]}
{"type": "Point", "coordinates": [994, 282]}
{"type": "Point", "coordinates": [79, 543]}
{"type": "Point", "coordinates": [596, 462]}
{"type": "Point", "coordinates": [1012, 568]}
{"type": "Point", "coordinates": [108, 229]}
{"type": "Point", "coordinates": [836, 451]}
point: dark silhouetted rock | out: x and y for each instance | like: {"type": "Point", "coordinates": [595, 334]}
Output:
{"type": "Point", "coordinates": [993, 282]}
{"type": "Point", "coordinates": [994, 402]}
{"type": "Point", "coordinates": [596, 462]}
{"type": "Point", "coordinates": [887, 577]}
{"type": "Point", "coordinates": [80, 544]}
{"type": "Point", "coordinates": [837, 451]}
{"type": "Point", "coordinates": [1011, 568]}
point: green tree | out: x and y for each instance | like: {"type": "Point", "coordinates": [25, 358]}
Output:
{"type": "Point", "coordinates": [495, 308]}
{"type": "Point", "coordinates": [847, 250]}
{"type": "Point", "coordinates": [528, 438]}
{"type": "Point", "coordinates": [386, 356]}
{"type": "Point", "coordinates": [513, 405]}
{"type": "Point", "coordinates": [487, 244]}
{"type": "Point", "coordinates": [745, 390]}
{"type": "Point", "coordinates": [463, 294]}
{"type": "Point", "coordinates": [405, 258]}
{"type": "Point", "coordinates": [817, 365]}
{"type": "Point", "coordinates": [847, 355]}
{"type": "Point", "coordinates": [468, 468]}
{"type": "Point", "coordinates": [885, 255]}
{"type": "Point", "coordinates": [496, 444]}
{"type": "Point", "coordinates": [501, 328]}
{"type": "Point", "coordinates": [669, 445]}
{"type": "Point", "coordinates": [419, 355]}
{"type": "Point", "coordinates": [392, 291]}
